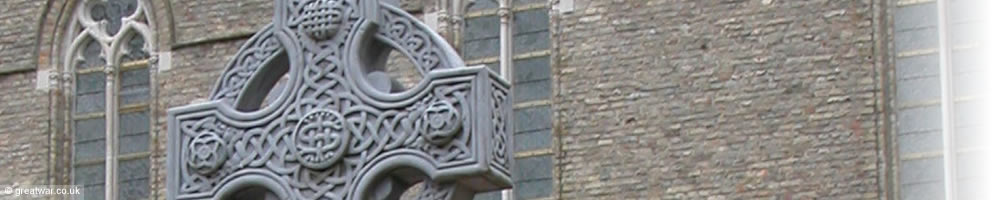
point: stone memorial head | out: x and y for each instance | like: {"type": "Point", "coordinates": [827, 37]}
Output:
{"type": "Point", "coordinates": [341, 128]}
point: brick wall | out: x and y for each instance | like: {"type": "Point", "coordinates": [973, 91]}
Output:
{"type": "Point", "coordinates": [24, 138]}
{"type": "Point", "coordinates": [24, 111]}
{"type": "Point", "coordinates": [731, 99]}
{"type": "Point", "coordinates": [18, 34]}
{"type": "Point", "coordinates": [205, 20]}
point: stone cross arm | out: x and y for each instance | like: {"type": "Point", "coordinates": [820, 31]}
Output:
{"type": "Point", "coordinates": [339, 129]}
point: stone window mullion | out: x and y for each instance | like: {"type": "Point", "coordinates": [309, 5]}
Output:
{"type": "Point", "coordinates": [111, 119]}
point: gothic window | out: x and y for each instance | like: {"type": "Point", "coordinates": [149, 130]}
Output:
{"type": "Point", "coordinates": [109, 59]}
{"type": "Point", "coordinates": [920, 112]}
{"type": "Point", "coordinates": [532, 87]}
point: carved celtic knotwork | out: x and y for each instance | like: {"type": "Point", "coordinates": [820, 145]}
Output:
{"type": "Point", "coordinates": [320, 139]}
{"type": "Point", "coordinates": [440, 122]}
{"type": "Point", "coordinates": [418, 44]}
{"type": "Point", "coordinates": [321, 19]}
{"type": "Point", "coordinates": [501, 113]}
{"type": "Point", "coordinates": [257, 52]}
{"type": "Point", "coordinates": [208, 153]}
{"type": "Point", "coordinates": [330, 134]}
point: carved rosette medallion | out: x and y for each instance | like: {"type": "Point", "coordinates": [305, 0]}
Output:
{"type": "Point", "coordinates": [321, 19]}
{"type": "Point", "coordinates": [440, 122]}
{"type": "Point", "coordinates": [207, 153]}
{"type": "Point", "coordinates": [320, 139]}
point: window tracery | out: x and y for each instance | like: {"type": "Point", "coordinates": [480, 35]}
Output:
{"type": "Point", "coordinates": [109, 58]}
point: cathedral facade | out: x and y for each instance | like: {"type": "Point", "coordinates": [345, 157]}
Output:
{"type": "Point", "coordinates": [612, 99]}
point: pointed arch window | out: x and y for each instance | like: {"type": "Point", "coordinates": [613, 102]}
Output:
{"type": "Point", "coordinates": [109, 58]}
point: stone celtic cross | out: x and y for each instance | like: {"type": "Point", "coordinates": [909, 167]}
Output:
{"type": "Point", "coordinates": [340, 128]}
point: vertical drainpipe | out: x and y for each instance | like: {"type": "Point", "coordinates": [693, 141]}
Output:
{"type": "Point", "coordinates": [947, 101]}
{"type": "Point", "coordinates": [506, 50]}
{"type": "Point", "coordinates": [506, 59]}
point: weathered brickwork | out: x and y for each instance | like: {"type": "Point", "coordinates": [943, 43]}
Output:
{"type": "Point", "coordinates": [729, 99]}
{"type": "Point", "coordinates": [202, 20]}
{"type": "Point", "coordinates": [650, 99]}
{"type": "Point", "coordinates": [18, 34]}
{"type": "Point", "coordinates": [24, 141]}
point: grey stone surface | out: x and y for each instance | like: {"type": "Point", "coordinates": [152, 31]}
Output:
{"type": "Point", "coordinates": [340, 124]}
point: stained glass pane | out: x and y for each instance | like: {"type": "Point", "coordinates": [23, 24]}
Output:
{"type": "Point", "coordinates": [531, 91]}
{"type": "Point", "coordinates": [89, 129]}
{"type": "Point", "coordinates": [533, 189]}
{"type": "Point", "coordinates": [532, 140]}
{"type": "Point", "coordinates": [89, 140]}
{"type": "Point", "coordinates": [89, 150]}
{"type": "Point", "coordinates": [484, 27]}
{"type": "Point", "coordinates": [134, 86]}
{"type": "Point", "coordinates": [531, 69]}
{"type": "Point", "coordinates": [482, 37]}
{"type": "Point", "coordinates": [90, 103]}
{"type": "Point", "coordinates": [532, 168]}
{"type": "Point", "coordinates": [135, 49]}
{"type": "Point", "coordinates": [90, 93]}
{"type": "Point", "coordinates": [133, 179]}
{"type": "Point", "coordinates": [91, 177]}
{"type": "Point", "coordinates": [89, 83]}
{"type": "Point", "coordinates": [533, 20]}
{"type": "Point", "coordinates": [482, 5]}
{"type": "Point", "coordinates": [532, 118]}
{"type": "Point", "coordinates": [112, 11]}
{"type": "Point", "coordinates": [133, 133]}
{"type": "Point", "coordinates": [91, 56]}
